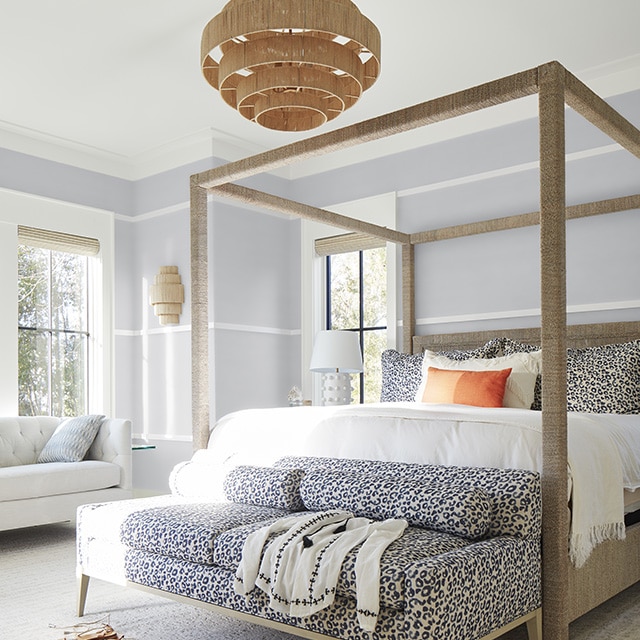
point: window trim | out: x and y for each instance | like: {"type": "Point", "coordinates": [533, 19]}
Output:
{"type": "Point", "coordinates": [21, 209]}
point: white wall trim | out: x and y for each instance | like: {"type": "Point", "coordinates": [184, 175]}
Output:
{"type": "Point", "coordinates": [224, 326]}
{"type": "Point", "coordinates": [186, 206]}
{"type": "Point", "coordinates": [527, 313]}
{"type": "Point", "coordinates": [157, 213]}
{"type": "Point", "coordinates": [214, 326]}
{"type": "Point", "coordinates": [498, 173]}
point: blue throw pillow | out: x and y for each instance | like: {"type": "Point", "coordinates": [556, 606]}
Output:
{"type": "Point", "coordinates": [71, 440]}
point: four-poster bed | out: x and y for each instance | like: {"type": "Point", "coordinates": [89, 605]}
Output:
{"type": "Point", "coordinates": [555, 87]}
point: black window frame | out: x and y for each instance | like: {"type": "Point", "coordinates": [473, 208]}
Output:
{"type": "Point", "coordinates": [360, 329]}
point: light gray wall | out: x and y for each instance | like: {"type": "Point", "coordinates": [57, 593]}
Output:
{"type": "Point", "coordinates": [493, 280]}
{"type": "Point", "coordinates": [37, 176]}
{"type": "Point", "coordinates": [152, 364]}
{"type": "Point", "coordinates": [256, 308]}
{"type": "Point", "coordinates": [489, 280]}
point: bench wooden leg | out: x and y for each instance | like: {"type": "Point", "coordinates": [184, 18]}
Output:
{"type": "Point", "coordinates": [534, 626]}
{"type": "Point", "coordinates": [83, 586]}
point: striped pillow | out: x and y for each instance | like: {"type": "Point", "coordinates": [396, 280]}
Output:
{"type": "Point", "coordinates": [71, 440]}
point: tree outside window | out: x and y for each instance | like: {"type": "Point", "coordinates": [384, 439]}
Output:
{"type": "Point", "coordinates": [53, 332]}
{"type": "Point", "coordinates": [357, 301]}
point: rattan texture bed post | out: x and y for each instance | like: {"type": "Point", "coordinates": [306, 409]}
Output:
{"type": "Point", "coordinates": [199, 316]}
{"type": "Point", "coordinates": [408, 297]}
{"type": "Point", "coordinates": [555, 529]}
{"type": "Point", "coordinates": [518, 85]}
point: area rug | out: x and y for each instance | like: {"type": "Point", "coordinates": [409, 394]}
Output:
{"type": "Point", "coordinates": [38, 599]}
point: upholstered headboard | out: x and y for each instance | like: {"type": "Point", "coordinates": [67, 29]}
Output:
{"type": "Point", "coordinates": [578, 336]}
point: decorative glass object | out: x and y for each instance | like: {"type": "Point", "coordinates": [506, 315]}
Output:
{"type": "Point", "coordinates": [295, 397]}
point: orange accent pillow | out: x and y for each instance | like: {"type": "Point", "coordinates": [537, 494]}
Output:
{"type": "Point", "coordinates": [476, 388]}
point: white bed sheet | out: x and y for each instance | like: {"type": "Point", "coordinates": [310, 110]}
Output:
{"type": "Point", "coordinates": [604, 450]}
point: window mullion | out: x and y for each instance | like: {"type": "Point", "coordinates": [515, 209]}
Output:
{"type": "Point", "coordinates": [361, 328]}
{"type": "Point", "coordinates": [86, 339]}
{"type": "Point", "coordinates": [328, 322]}
{"type": "Point", "coordinates": [50, 332]}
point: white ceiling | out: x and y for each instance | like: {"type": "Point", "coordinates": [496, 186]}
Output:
{"type": "Point", "coordinates": [116, 86]}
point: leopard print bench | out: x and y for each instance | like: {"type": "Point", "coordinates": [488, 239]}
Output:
{"type": "Point", "coordinates": [467, 565]}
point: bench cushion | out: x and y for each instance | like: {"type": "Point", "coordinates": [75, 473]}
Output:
{"type": "Point", "coordinates": [188, 531]}
{"type": "Point", "coordinates": [414, 545]}
{"type": "Point", "coordinates": [214, 535]}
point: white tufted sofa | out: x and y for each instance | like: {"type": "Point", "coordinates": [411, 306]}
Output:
{"type": "Point", "coordinates": [34, 493]}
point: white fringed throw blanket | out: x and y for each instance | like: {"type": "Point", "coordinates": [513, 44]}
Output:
{"type": "Point", "coordinates": [299, 569]}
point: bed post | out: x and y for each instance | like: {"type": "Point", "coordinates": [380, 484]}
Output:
{"type": "Point", "coordinates": [555, 526]}
{"type": "Point", "coordinates": [408, 297]}
{"type": "Point", "coordinates": [199, 317]}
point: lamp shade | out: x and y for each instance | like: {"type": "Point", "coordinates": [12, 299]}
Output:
{"type": "Point", "coordinates": [336, 351]}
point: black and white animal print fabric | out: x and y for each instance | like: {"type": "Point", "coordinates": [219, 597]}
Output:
{"type": "Point", "coordinates": [402, 372]}
{"type": "Point", "coordinates": [516, 504]}
{"type": "Point", "coordinates": [434, 585]}
{"type": "Point", "coordinates": [602, 379]}
{"type": "Point", "coordinates": [188, 531]}
{"type": "Point", "coordinates": [265, 486]}
{"type": "Point", "coordinates": [463, 511]}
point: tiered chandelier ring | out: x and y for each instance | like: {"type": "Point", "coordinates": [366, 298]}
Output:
{"type": "Point", "coordinates": [290, 65]}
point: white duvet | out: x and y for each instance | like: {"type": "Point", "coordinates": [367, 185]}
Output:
{"type": "Point", "coordinates": [604, 450]}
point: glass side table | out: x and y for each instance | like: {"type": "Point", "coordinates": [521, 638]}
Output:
{"type": "Point", "coordinates": [141, 446]}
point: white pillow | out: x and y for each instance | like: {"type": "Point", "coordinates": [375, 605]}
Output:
{"type": "Point", "coordinates": [520, 388]}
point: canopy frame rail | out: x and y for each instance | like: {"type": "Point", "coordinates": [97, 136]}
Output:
{"type": "Point", "coordinates": [555, 87]}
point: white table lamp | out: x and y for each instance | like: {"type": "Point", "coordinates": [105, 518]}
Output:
{"type": "Point", "coordinates": [337, 355]}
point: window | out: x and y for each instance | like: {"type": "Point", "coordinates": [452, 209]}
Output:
{"type": "Point", "coordinates": [53, 327]}
{"type": "Point", "coordinates": [357, 301]}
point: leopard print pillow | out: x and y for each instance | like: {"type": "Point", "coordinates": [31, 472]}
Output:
{"type": "Point", "coordinates": [265, 487]}
{"type": "Point", "coordinates": [602, 379]}
{"type": "Point", "coordinates": [461, 511]}
{"type": "Point", "coordinates": [402, 372]}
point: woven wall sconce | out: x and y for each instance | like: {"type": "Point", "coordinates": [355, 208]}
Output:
{"type": "Point", "coordinates": [166, 295]}
{"type": "Point", "coordinates": [290, 65]}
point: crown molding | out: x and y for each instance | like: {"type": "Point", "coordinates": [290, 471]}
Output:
{"type": "Point", "coordinates": [614, 78]}
{"type": "Point", "coordinates": [200, 145]}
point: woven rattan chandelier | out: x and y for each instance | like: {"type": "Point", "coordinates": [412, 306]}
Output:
{"type": "Point", "coordinates": [290, 65]}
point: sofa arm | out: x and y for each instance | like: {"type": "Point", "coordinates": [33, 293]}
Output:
{"type": "Point", "coordinates": [113, 444]}
{"type": "Point", "coordinates": [469, 592]}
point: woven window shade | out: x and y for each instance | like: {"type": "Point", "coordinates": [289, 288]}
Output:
{"type": "Point", "coordinates": [57, 241]}
{"type": "Point", "coordinates": [346, 243]}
